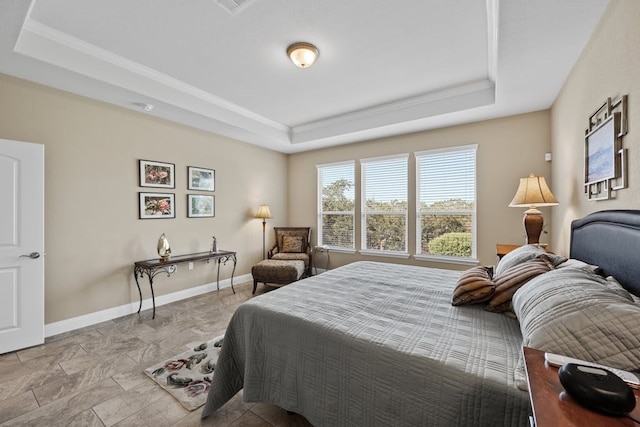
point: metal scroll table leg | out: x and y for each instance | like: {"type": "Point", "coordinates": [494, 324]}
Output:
{"type": "Point", "coordinates": [232, 272]}
{"type": "Point", "coordinates": [233, 257]}
{"type": "Point", "coordinates": [135, 275]}
{"type": "Point", "coordinates": [153, 297]}
{"type": "Point", "coordinates": [218, 276]}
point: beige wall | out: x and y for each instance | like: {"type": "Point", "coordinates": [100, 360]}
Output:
{"type": "Point", "coordinates": [608, 67]}
{"type": "Point", "coordinates": [508, 149]}
{"type": "Point", "coordinates": [92, 231]}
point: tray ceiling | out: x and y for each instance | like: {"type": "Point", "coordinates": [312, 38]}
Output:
{"type": "Point", "coordinates": [385, 68]}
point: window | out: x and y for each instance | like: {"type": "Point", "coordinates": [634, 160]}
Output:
{"type": "Point", "coordinates": [446, 202]}
{"type": "Point", "coordinates": [384, 204]}
{"type": "Point", "coordinates": [336, 207]}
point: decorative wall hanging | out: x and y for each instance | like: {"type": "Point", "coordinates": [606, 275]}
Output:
{"type": "Point", "coordinates": [200, 206]}
{"type": "Point", "coordinates": [201, 179]}
{"type": "Point", "coordinates": [157, 174]}
{"type": "Point", "coordinates": [157, 205]}
{"type": "Point", "coordinates": [605, 161]}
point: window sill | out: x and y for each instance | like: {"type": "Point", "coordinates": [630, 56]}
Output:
{"type": "Point", "coordinates": [387, 254]}
{"type": "Point", "coordinates": [338, 250]}
{"type": "Point", "coordinates": [447, 259]}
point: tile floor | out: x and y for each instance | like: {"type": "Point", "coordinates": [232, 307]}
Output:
{"type": "Point", "coordinates": [94, 376]}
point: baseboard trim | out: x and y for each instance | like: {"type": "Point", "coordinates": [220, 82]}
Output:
{"type": "Point", "coordinates": [123, 310]}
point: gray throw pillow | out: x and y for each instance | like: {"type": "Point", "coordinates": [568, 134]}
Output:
{"type": "Point", "coordinates": [579, 314]}
{"type": "Point", "coordinates": [523, 254]}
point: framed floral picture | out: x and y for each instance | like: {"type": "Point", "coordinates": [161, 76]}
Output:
{"type": "Point", "coordinates": [157, 205]}
{"type": "Point", "coordinates": [157, 174]}
{"type": "Point", "coordinates": [201, 179]}
{"type": "Point", "coordinates": [200, 206]}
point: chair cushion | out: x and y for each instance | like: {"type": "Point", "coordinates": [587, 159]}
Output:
{"type": "Point", "coordinates": [291, 256]}
{"type": "Point", "coordinates": [292, 244]}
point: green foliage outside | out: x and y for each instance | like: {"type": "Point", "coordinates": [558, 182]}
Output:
{"type": "Point", "coordinates": [442, 231]}
{"type": "Point", "coordinates": [451, 244]}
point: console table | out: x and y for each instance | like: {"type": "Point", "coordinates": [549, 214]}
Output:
{"type": "Point", "coordinates": [153, 267]}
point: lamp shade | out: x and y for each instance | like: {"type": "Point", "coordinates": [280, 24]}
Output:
{"type": "Point", "coordinates": [263, 212]}
{"type": "Point", "coordinates": [302, 54]}
{"type": "Point", "coordinates": [533, 191]}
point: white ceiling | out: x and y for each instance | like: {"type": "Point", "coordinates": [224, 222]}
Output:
{"type": "Point", "coordinates": [385, 67]}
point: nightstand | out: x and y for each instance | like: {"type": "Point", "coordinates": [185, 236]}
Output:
{"type": "Point", "coordinates": [553, 407]}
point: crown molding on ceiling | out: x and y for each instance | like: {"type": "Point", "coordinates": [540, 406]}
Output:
{"type": "Point", "coordinates": [44, 43]}
{"type": "Point", "coordinates": [460, 97]}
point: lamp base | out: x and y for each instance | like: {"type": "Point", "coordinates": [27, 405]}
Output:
{"type": "Point", "coordinates": [533, 223]}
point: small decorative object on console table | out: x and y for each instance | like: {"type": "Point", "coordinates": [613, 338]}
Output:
{"type": "Point", "coordinates": [153, 267]}
{"type": "Point", "coordinates": [532, 192]}
{"type": "Point", "coordinates": [164, 250]}
{"type": "Point", "coordinates": [214, 245]}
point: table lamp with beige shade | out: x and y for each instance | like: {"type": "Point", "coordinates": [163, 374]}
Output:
{"type": "Point", "coordinates": [533, 192]}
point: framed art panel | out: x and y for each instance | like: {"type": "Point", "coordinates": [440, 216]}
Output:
{"type": "Point", "coordinates": [200, 206]}
{"type": "Point", "coordinates": [157, 205]}
{"type": "Point", "coordinates": [601, 151]}
{"type": "Point", "coordinates": [157, 174]}
{"type": "Point", "coordinates": [201, 179]}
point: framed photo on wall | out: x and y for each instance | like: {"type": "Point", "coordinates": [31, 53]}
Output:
{"type": "Point", "coordinates": [200, 206]}
{"type": "Point", "coordinates": [157, 174]}
{"type": "Point", "coordinates": [602, 145]}
{"type": "Point", "coordinates": [157, 205]}
{"type": "Point", "coordinates": [201, 179]}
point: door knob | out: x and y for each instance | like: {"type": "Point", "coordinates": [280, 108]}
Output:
{"type": "Point", "coordinates": [32, 255]}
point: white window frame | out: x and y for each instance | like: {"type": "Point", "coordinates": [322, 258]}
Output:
{"type": "Point", "coordinates": [363, 209]}
{"type": "Point", "coordinates": [472, 260]}
{"type": "Point", "coordinates": [320, 212]}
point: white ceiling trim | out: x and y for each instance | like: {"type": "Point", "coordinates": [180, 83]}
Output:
{"type": "Point", "coordinates": [493, 24]}
{"type": "Point", "coordinates": [458, 98]}
{"type": "Point", "coordinates": [47, 44]}
{"type": "Point", "coordinates": [44, 43]}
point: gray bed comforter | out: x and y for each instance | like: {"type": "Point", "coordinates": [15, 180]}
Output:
{"type": "Point", "coordinates": [373, 344]}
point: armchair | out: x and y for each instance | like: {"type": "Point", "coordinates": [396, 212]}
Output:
{"type": "Point", "coordinates": [293, 243]}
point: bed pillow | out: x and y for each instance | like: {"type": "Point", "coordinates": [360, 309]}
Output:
{"type": "Point", "coordinates": [576, 263]}
{"type": "Point", "coordinates": [522, 254]}
{"type": "Point", "coordinates": [579, 314]}
{"type": "Point", "coordinates": [510, 280]}
{"type": "Point", "coordinates": [292, 244]}
{"type": "Point", "coordinates": [474, 286]}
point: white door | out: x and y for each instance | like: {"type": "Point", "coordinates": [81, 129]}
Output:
{"type": "Point", "coordinates": [21, 245]}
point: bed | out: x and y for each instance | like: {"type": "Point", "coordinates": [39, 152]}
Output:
{"type": "Point", "coordinates": [381, 344]}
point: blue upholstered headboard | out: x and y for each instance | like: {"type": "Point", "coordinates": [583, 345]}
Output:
{"type": "Point", "coordinates": [610, 240]}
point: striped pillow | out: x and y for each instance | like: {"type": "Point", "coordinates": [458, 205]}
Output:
{"type": "Point", "coordinates": [474, 286]}
{"type": "Point", "coordinates": [510, 280]}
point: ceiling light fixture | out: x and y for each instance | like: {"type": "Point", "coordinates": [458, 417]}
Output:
{"type": "Point", "coordinates": [303, 54]}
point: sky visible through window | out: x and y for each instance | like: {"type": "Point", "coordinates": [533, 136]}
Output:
{"type": "Point", "coordinates": [447, 176]}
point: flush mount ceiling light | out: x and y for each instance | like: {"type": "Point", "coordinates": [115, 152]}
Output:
{"type": "Point", "coordinates": [302, 54]}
